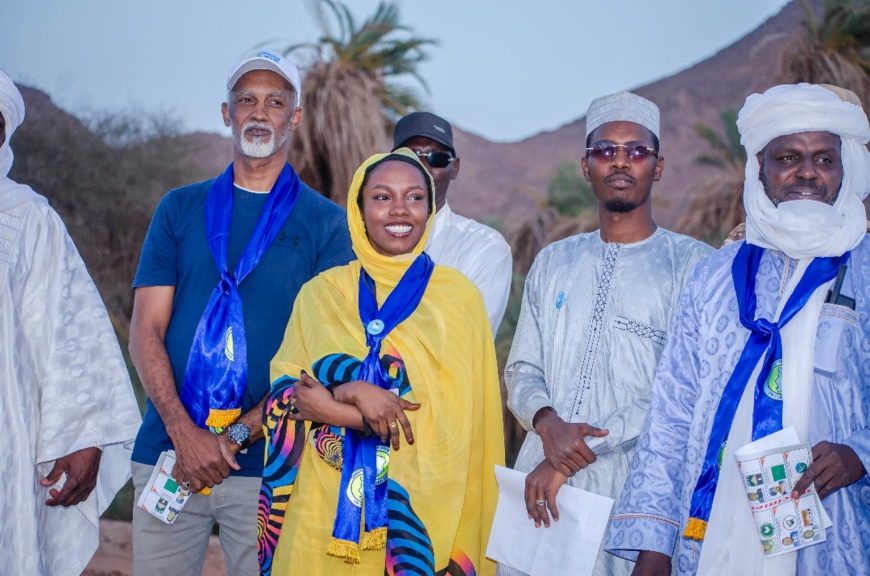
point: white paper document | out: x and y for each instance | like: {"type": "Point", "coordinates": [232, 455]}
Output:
{"type": "Point", "coordinates": [769, 468]}
{"type": "Point", "coordinates": [571, 544]}
{"type": "Point", "coordinates": [162, 497]}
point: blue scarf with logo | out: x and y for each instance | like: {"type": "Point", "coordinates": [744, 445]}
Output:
{"type": "Point", "coordinates": [366, 479]}
{"type": "Point", "coordinates": [764, 343]}
{"type": "Point", "coordinates": [217, 367]}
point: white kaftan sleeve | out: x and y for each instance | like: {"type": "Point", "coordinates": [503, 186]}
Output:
{"type": "Point", "coordinates": [524, 373]}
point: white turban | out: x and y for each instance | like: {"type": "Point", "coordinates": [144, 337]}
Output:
{"type": "Point", "coordinates": [806, 228]}
{"type": "Point", "coordinates": [12, 108]}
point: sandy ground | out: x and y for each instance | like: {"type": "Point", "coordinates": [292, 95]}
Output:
{"type": "Point", "coordinates": [114, 557]}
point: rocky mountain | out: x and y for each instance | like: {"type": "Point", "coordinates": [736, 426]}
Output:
{"type": "Point", "coordinates": [503, 179]}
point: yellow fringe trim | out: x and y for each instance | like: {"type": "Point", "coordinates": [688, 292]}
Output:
{"type": "Point", "coordinates": [206, 491]}
{"type": "Point", "coordinates": [374, 540]}
{"type": "Point", "coordinates": [345, 549]}
{"type": "Point", "coordinates": [695, 529]}
{"type": "Point", "coordinates": [222, 418]}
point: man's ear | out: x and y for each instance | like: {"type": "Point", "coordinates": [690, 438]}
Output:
{"type": "Point", "coordinates": [297, 117]}
{"type": "Point", "coordinates": [660, 166]}
{"type": "Point", "coordinates": [225, 111]}
{"type": "Point", "coordinates": [455, 172]}
{"type": "Point", "coordinates": [585, 164]}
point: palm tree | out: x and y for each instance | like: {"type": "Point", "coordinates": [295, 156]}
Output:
{"type": "Point", "coordinates": [717, 197]}
{"type": "Point", "coordinates": [834, 49]}
{"type": "Point", "coordinates": [349, 98]}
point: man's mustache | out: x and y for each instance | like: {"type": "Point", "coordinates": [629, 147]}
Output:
{"type": "Point", "coordinates": [802, 184]}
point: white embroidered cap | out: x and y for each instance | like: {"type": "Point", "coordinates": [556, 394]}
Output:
{"type": "Point", "coordinates": [622, 107]}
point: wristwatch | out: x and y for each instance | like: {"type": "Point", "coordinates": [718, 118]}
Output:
{"type": "Point", "coordinates": [239, 433]}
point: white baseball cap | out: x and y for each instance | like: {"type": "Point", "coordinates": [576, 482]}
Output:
{"type": "Point", "coordinates": [267, 60]}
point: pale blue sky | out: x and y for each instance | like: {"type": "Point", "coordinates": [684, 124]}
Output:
{"type": "Point", "coordinates": [503, 69]}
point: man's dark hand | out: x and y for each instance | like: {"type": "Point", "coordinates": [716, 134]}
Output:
{"type": "Point", "coordinates": [81, 468]}
{"type": "Point", "coordinates": [834, 466]}
{"type": "Point", "coordinates": [199, 459]}
{"type": "Point", "coordinates": [542, 485]}
{"type": "Point", "coordinates": [651, 563]}
{"type": "Point", "coordinates": [565, 445]}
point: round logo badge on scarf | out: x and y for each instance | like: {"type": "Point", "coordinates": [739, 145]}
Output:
{"type": "Point", "coordinates": [773, 385]}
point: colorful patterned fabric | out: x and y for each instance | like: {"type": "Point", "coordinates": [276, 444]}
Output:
{"type": "Point", "coordinates": [441, 491]}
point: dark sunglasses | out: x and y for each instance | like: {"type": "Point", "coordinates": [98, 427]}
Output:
{"type": "Point", "coordinates": [633, 151]}
{"type": "Point", "coordinates": [435, 159]}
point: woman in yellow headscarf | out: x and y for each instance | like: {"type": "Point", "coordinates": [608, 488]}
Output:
{"type": "Point", "coordinates": [390, 344]}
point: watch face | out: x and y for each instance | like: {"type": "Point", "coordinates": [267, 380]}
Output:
{"type": "Point", "coordinates": [238, 433]}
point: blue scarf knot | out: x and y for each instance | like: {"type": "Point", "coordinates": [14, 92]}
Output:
{"type": "Point", "coordinates": [216, 376]}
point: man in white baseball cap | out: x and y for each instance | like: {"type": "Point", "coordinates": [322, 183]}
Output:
{"type": "Point", "coordinates": [268, 60]}
{"type": "Point", "coordinates": [219, 272]}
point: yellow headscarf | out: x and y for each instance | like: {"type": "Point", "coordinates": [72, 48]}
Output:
{"type": "Point", "coordinates": [442, 357]}
{"type": "Point", "coordinates": [385, 269]}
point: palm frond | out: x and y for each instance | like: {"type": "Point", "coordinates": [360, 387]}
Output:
{"type": "Point", "coordinates": [349, 96]}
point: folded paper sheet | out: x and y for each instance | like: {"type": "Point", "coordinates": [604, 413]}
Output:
{"type": "Point", "coordinates": [569, 545]}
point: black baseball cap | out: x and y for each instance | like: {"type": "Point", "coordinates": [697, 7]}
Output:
{"type": "Point", "coordinates": [423, 124]}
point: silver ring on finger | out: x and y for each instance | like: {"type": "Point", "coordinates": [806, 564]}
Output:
{"type": "Point", "coordinates": [541, 502]}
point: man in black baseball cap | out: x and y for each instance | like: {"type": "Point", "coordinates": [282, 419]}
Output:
{"type": "Point", "coordinates": [474, 249]}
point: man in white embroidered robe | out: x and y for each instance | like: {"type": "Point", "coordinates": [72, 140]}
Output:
{"type": "Point", "coordinates": [808, 170]}
{"type": "Point", "coordinates": [65, 397]}
{"type": "Point", "coordinates": [594, 317]}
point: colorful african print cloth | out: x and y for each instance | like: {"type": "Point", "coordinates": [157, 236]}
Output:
{"type": "Point", "coordinates": [441, 491]}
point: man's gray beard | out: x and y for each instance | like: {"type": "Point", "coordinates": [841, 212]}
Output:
{"type": "Point", "coordinates": [259, 147]}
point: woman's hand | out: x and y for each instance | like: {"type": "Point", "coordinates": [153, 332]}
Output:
{"type": "Point", "coordinates": [382, 409]}
{"type": "Point", "coordinates": [313, 402]}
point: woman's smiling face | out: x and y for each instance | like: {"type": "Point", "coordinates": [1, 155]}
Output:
{"type": "Point", "coordinates": [395, 207]}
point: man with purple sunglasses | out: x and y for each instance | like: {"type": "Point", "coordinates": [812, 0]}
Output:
{"type": "Point", "coordinates": [595, 316]}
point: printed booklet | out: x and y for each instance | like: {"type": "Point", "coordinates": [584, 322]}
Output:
{"type": "Point", "coordinates": [163, 498]}
{"type": "Point", "coordinates": [769, 470]}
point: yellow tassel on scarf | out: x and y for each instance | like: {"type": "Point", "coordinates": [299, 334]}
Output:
{"type": "Point", "coordinates": [695, 529]}
{"type": "Point", "coordinates": [222, 418]}
{"type": "Point", "coordinates": [374, 540]}
{"type": "Point", "coordinates": [349, 551]}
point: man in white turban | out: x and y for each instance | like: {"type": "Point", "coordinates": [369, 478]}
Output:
{"type": "Point", "coordinates": [65, 397]}
{"type": "Point", "coordinates": [594, 319]}
{"type": "Point", "coordinates": [772, 333]}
